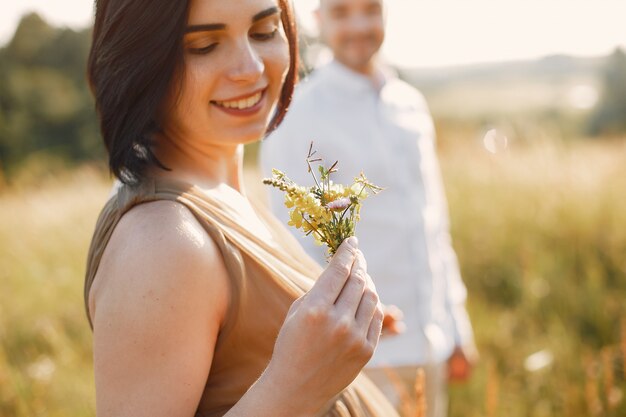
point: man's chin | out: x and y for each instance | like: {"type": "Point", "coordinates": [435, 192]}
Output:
{"type": "Point", "coordinates": [359, 64]}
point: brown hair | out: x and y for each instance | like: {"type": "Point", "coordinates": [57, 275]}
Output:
{"type": "Point", "coordinates": [135, 53]}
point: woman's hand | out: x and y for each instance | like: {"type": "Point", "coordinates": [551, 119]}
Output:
{"type": "Point", "coordinates": [329, 334]}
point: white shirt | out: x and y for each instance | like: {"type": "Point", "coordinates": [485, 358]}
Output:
{"type": "Point", "coordinates": [388, 134]}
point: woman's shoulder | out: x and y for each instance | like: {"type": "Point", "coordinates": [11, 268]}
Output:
{"type": "Point", "coordinates": [158, 303]}
{"type": "Point", "coordinates": [163, 227]}
{"type": "Point", "coordinates": [159, 250]}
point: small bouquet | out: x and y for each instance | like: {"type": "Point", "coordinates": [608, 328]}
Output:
{"type": "Point", "coordinates": [326, 210]}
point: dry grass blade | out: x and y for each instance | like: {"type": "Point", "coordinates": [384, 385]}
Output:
{"type": "Point", "coordinates": [420, 393]}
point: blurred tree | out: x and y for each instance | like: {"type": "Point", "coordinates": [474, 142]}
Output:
{"type": "Point", "coordinates": [610, 114]}
{"type": "Point", "coordinates": [45, 104]}
{"type": "Point", "coordinates": [32, 35]}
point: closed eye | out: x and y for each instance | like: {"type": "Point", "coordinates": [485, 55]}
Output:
{"type": "Point", "coordinates": [204, 50]}
{"type": "Point", "coordinates": [261, 36]}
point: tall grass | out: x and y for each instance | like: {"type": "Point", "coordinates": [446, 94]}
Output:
{"type": "Point", "coordinates": [540, 231]}
{"type": "Point", "coordinates": [45, 343]}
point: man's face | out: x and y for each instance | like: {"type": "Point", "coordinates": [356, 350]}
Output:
{"type": "Point", "coordinates": [353, 30]}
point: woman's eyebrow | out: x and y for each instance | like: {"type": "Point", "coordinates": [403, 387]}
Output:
{"type": "Point", "coordinates": [221, 26]}
{"type": "Point", "coordinates": [205, 28]}
{"type": "Point", "coordinates": [265, 13]}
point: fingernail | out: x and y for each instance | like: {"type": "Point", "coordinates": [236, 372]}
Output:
{"type": "Point", "coordinates": [352, 241]}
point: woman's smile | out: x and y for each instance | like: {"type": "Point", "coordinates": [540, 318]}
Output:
{"type": "Point", "coordinates": [246, 105]}
{"type": "Point", "coordinates": [235, 58]}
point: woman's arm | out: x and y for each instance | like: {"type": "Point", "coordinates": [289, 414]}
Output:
{"type": "Point", "coordinates": [329, 334]}
{"type": "Point", "coordinates": [158, 301]}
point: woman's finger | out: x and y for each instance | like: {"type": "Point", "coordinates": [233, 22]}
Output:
{"type": "Point", "coordinates": [367, 308]}
{"type": "Point", "coordinates": [329, 285]}
{"type": "Point", "coordinates": [375, 327]}
{"type": "Point", "coordinates": [352, 292]}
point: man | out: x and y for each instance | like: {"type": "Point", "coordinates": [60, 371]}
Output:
{"type": "Point", "coordinates": [370, 121]}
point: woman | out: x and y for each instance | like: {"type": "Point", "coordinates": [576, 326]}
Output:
{"type": "Point", "coordinates": [202, 304]}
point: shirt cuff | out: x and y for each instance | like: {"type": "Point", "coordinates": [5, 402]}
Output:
{"type": "Point", "coordinates": [463, 333]}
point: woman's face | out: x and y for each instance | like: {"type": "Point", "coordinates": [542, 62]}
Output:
{"type": "Point", "coordinates": [235, 58]}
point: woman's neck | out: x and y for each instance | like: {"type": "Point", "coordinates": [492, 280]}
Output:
{"type": "Point", "coordinates": [204, 165]}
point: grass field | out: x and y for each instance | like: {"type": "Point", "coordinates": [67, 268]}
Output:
{"type": "Point", "coordinates": [45, 343]}
{"type": "Point", "coordinates": [540, 230]}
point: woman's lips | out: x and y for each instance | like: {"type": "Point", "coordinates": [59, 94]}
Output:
{"type": "Point", "coordinates": [244, 106]}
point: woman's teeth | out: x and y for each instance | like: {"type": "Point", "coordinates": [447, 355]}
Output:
{"type": "Point", "coordinates": [241, 104]}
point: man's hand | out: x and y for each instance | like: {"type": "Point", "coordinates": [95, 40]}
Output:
{"type": "Point", "coordinates": [392, 321]}
{"type": "Point", "coordinates": [460, 365]}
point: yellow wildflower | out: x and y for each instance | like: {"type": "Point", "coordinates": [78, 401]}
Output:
{"type": "Point", "coordinates": [326, 210]}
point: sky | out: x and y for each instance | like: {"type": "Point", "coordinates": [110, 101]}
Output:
{"type": "Point", "coordinates": [431, 33]}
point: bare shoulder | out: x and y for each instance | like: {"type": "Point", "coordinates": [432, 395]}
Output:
{"type": "Point", "coordinates": [159, 252]}
{"type": "Point", "coordinates": [157, 304]}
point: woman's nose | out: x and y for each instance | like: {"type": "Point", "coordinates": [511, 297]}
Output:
{"type": "Point", "coordinates": [248, 65]}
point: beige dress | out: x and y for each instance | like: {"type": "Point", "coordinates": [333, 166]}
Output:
{"type": "Point", "coordinates": [267, 271]}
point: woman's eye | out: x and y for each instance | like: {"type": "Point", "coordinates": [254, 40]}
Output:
{"type": "Point", "coordinates": [264, 36]}
{"type": "Point", "coordinates": [203, 50]}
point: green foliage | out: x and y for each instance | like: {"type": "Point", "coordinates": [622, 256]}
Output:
{"type": "Point", "coordinates": [610, 115]}
{"type": "Point", "coordinates": [46, 364]}
{"type": "Point", "coordinates": [45, 104]}
{"type": "Point", "coordinates": [540, 231]}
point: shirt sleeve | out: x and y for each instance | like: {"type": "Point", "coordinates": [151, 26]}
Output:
{"type": "Point", "coordinates": [456, 292]}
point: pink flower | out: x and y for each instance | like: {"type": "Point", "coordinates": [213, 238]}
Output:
{"type": "Point", "coordinates": [340, 204]}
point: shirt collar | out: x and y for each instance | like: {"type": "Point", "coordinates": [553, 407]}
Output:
{"type": "Point", "coordinates": [348, 80]}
